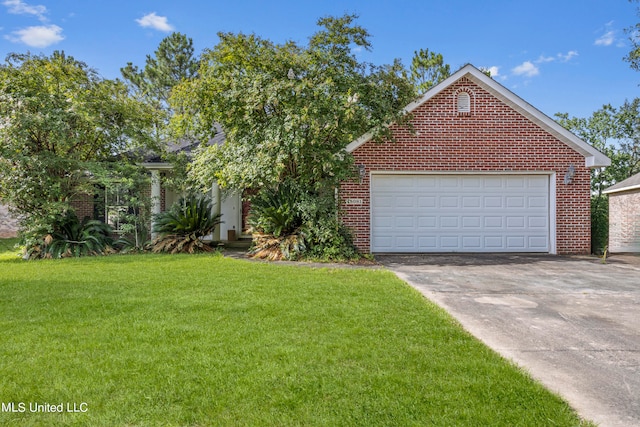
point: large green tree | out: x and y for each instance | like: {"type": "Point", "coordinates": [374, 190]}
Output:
{"type": "Point", "coordinates": [172, 62]}
{"type": "Point", "coordinates": [288, 110]}
{"type": "Point", "coordinates": [60, 124]}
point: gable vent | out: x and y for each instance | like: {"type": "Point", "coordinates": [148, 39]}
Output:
{"type": "Point", "coordinates": [463, 103]}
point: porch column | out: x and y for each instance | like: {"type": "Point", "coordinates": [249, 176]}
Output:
{"type": "Point", "coordinates": [156, 191]}
{"type": "Point", "coordinates": [217, 203]}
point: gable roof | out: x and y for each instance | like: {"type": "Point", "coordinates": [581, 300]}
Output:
{"type": "Point", "coordinates": [593, 157]}
{"type": "Point", "coordinates": [631, 183]}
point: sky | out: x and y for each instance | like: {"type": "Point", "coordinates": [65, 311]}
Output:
{"type": "Point", "coordinates": [560, 55]}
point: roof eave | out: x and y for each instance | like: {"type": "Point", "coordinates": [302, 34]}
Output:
{"type": "Point", "coordinates": [621, 189]}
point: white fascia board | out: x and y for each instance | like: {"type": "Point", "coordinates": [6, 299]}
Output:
{"type": "Point", "coordinates": [619, 190]}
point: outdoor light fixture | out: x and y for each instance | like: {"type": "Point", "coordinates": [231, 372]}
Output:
{"type": "Point", "coordinates": [568, 176]}
{"type": "Point", "coordinates": [361, 172]}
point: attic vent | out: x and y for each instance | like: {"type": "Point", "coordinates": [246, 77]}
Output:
{"type": "Point", "coordinates": [464, 103]}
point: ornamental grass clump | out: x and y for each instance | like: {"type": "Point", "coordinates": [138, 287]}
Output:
{"type": "Point", "coordinates": [182, 228]}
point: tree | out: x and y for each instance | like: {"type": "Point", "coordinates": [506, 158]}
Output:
{"type": "Point", "coordinates": [633, 57]}
{"type": "Point", "coordinates": [60, 124]}
{"type": "Point", "coordinates": [173, 62]}
{"type": "Point", "coordinates": [616, 133]}
{"type": "Point", "coordinates": [428, 69]}
{"type": "Point", "coordinates": [288, 111]}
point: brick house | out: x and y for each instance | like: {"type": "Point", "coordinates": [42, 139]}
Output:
{"type": "Point", "coordinates": [482, 171]}
{"type": "Point", "coordinates": [624, 215]}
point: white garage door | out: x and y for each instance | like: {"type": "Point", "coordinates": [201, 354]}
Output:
{"type": "Point", "coordinates": [460, 213]}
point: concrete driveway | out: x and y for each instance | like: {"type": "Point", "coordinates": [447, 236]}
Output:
{"type": "Point", "coordinates": [572, 322]}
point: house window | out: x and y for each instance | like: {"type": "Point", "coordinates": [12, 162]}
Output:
{"type": "Point", "coordinates": [463, 103]}
{"type": "Point", "coordinates": [117, 211]}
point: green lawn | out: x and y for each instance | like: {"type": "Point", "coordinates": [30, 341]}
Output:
{"type": "Point", "coordinates": [146, 340]}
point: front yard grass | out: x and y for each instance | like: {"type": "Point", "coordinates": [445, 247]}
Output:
{"type": "Point", "coordinates": [158, 340]}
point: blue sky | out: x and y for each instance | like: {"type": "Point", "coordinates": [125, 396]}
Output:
{"type": "Point", "coordinates": [560, 56]}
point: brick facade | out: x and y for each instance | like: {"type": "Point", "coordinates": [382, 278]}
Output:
{"type": "Point", "coordinates": [493, 137]}
{"type": "Point", "coordinates": [624, 221]}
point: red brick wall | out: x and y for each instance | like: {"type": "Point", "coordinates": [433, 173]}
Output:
{"type": "Point", "coordinates": [83, 206]}
{"type": "Point", "coordinates": [493, 137]}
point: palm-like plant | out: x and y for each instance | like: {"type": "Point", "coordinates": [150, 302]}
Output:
{"type": "Point", "coordinates": [275, 220]}
{"type": "Point", "coordinates": [182, 227]}
{"type": "Point", "coordinates": [72, 238]}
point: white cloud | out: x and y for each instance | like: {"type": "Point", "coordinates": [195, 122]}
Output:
{"type": "Point", "coordinates": [18, 7]}
{"type": "Point", "coordinates": [606, 39]}
{"type": "Point", "coordinates": [527, 69]}
{"type": "Point", "coordinates": [38, 36]}
{"type": "Point", "coordinates": [542, 59]}
{"type": "Point", "coordinates": [568, 56]}
{"type": "Point", "coordinates": [494, 71]}
{"type": "Point", "coordinates": [151, 20]}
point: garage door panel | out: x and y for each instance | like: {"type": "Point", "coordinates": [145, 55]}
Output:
{"type": "Point", "coordinates": [538, 222]}
{"type": "Point", "coordinates": [514, 202]}
{"type": "Point", "coordinates": [494, 243]}
{"type": "Point", "coordinates": [405, 222]}
{"type": "Point", "coordinates": [449, 221]}
{"type": "Point", "coordinates": [539, 242]}
{"type": "Point", "coordinates": [449, 202]}
{"type": "Point", "coordinates": [472, 213]}
{"type": "Point", "coordinates": [427, 243]}
{"type": "Point", "coordinates": [427, 202]}
{"type": "Point", "coordinates": [472, 242]}
{"type": "Point", "coordinates": [492, 201]}
{"type": "Point", "coordinates": [516, 242]}
{"type": "Point", "coordinates": [405, 202]}
{"type": "Point", "coordinates": [493, 221]}
{"type": "Point", "coordinates": [515, 222]}
{"type": "Point", "coordinates": [471, 202]}
{"type": "Point", "coordinates": [471, 222]}
{"type": "Point", "coordinates": [406, 241]}
{"type": "Point", "coordinates": [449, 242]}
{"type": "Point", "coordinates": [537, 202]}
{"type": "Point", "coordinates": [427, 222]}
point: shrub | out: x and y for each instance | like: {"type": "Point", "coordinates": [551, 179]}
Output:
{"type": "Point", "coordinates": [326, 237]}
{"type": "Point", "coordinates": [289, 222]}
{"type": "Point", "coordinates": [69, 237]}
{"type": "Point", "coordinates": [274, 211]}
{"type": "Point", "coordinates": [182, 227]}
{"type": "Point", "coordinates": [275, 221]}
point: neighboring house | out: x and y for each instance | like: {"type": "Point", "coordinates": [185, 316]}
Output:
{"type": "Point", "coordinates": [8, 223]}
{"type": "Point", "coordinates": [482, 171]}
{"type": "Point", "coordinates": [624, 215]}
